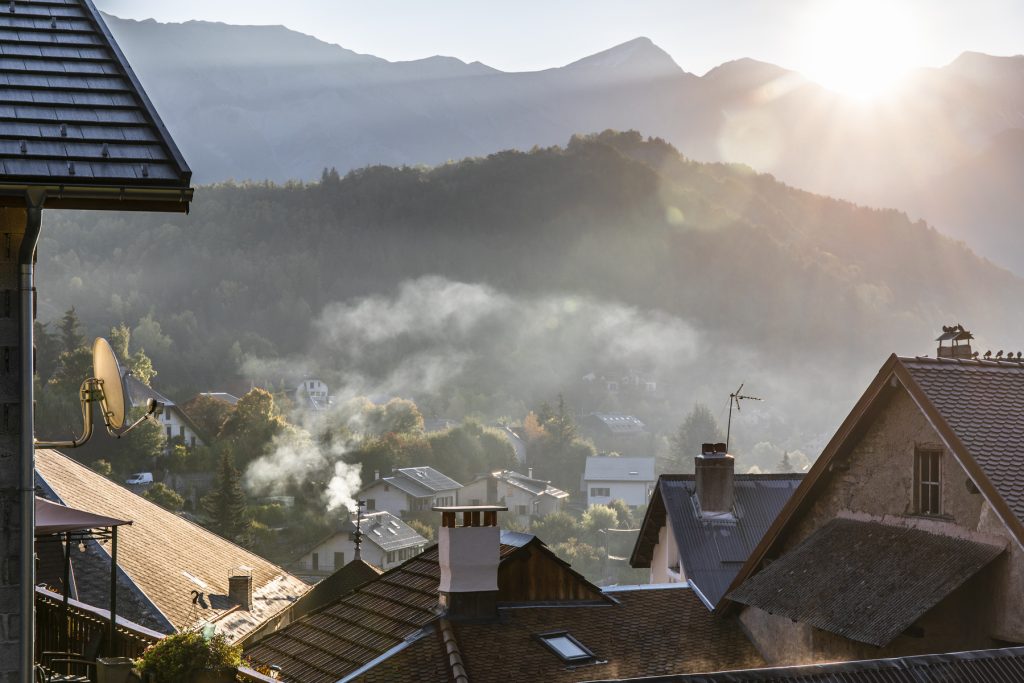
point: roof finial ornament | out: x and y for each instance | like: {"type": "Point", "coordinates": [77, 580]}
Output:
{"type": "Point", "coordinates": [357, 535]}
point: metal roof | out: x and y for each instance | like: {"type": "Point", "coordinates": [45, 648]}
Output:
{"type": "Point", "coordinates": [74, 118]}
{"type": "Point", "coordinates": [1005, 665]}
{"type": "Point", "coordinates": [713, 551]}
{"type": "Point", "coordinates": [619, 423]}
{"type": "Point", "coordinates": [388, 532]}
{"type": "Point", "coordinates": [428, 477]}
{"type": "Point", "coordinates": [847, 579]}
{"type": "Point", "coordinates": [609, 468]}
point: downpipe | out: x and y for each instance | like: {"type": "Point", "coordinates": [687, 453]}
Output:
{"type": "Point", "coordinates": [26, 451]}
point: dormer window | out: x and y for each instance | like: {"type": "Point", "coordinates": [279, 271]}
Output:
{"type": "Point", "coordinates": [563, 644]}
{"type": "Point", "coordinates": [928, 481]}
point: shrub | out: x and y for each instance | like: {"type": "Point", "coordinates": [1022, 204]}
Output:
{"type": "Point", "coordinates": [178, 657]}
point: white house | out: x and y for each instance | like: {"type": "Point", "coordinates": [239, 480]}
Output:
{"type": "Point", "coordinates": [313, 394]}
{"type": "Point", "coordinates": [410, 489]}
{"type": "Point", "coordinates": [608, 478]}
{"type": "Point", "coordinates": [524, 496]}
{"type": "Point", "coordinates": [387, 542]}
{"type": "Point", "coordinates": [174, 420]}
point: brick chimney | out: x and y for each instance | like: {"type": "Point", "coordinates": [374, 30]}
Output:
{"type": "Point", "coordinates": [715, 472]}
{"type": "Point", "coordinates": [469, 555]}
{"type": "Point", "coordinates": [240, 590]}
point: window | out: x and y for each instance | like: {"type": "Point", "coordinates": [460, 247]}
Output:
{"type": "Point", "coordinates": [927, 481]}
{"type": "Point", "coordinates": [181, 431]}
{"type": "Point", "coordinates": [169, 431]}
{"type": "Point", "coordinates": [521, 510]}
{"type": "Point", "coordinates": [565, 646]}
{"type": "Point", "coordinates": [371, 503]}
{"type": "Point", "coordinates": [339, 560]}
{"type": "Point", "coordinates": [598, 492]}
{"type": "Point", "coordinates": [316, 562]}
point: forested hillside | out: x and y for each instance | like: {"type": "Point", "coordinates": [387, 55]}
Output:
{"type": "Point", "coordinates": [525, 271]}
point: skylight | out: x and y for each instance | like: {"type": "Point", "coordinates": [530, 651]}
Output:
{"type": "Point", "coordinates": [565, 646]}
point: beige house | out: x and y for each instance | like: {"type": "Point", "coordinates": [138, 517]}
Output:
{"type": "Point", "coordinates": [906, 535]}
{"type": "Point", "coordinates": [524, 496]}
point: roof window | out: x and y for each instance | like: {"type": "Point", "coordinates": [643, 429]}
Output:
{"type": "Point", "coordinates": [563, 644]}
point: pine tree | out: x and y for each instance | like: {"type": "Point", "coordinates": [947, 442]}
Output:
{"type": "Point", "coordinates": [225, 504]}
{"type": "Point", "coordinates": [71, 337]}
{"type": "Point", "coordinates": [785, 465]}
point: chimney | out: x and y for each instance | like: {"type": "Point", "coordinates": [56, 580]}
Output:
{"type": "Point", "coordinates": [529, 473]}
{"type": "Point", "coordinates": [469, 555]}
{"type": "Point", "coordinates": [959, 342]}
{"type": "Point", "coordinates": [376, 475]}
{"type": "Point", "coordinates": [240, 590]}
{"type": "Point", "coordinates": [715, 470]}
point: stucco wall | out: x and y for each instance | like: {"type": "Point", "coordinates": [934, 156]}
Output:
{"type": "Point", "coordinates": [634, 493]}
{"type": "Point", "coordinates": [386, 497]}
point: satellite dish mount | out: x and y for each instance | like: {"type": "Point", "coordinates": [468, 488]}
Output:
{"type": "Point", "coordinates": [105, 387]}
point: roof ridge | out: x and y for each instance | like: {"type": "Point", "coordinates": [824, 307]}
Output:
{"type": "Point", "coordinates": [450, 644]}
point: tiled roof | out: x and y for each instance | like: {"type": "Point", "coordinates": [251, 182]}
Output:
{"type": "Point", "coordinates": [628, 638]}
{"type": "Point", "coordinates": [712, 552]}
{"type": "Point", "coordinates": [981, 400]}
{"type": "Point", "coordinates": [161, 551]}
{"type": "Point", "coordinates": [73, 113]}
{"type": "Point", "coordinates": [429, 478]}
{"type": "Point", "coordinates": [609, 468]}
{"type": "Point", "coordinates": [978, 666]}
{"type": "Point", "coordinates": [843, 578]}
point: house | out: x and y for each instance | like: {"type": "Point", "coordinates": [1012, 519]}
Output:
{"type": "Point", "coordinates": [489, 605]}
{"type": "Point", "coordinates": [701, 527]}
{"type": "Point", "coordinates": [312, 394]}
{"type": "Point", "coordinates": [175, 421]}
{"type": "Point", "coordinates": [609, 478]}
{"type": "Point", "coordinates": [79, 133]}
{"type": "Point", "coordinates": [387, 541]}
{"type": "Point", "coordinates": [173, 574]}
{"type": "Point", "coordinates": [905, 537]}
{"type": "Point", "coordinates": [410, 490]}
{"type": "Point", "coordinates": [617, 433]}
{"type": "Point", "coordinates": [230, 399]}
{"type": "Point", "coordinates": [1004, 665]}
{"type": "Point", "coordinates": [524, 496]}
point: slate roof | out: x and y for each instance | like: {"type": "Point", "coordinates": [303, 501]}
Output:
{"type": "Point", "coordinates": [607, 468]}
{"type": "Point", "coordinates": [164, 557]}
{"type": "Point", "coordinates": [845, 578]}
{"type": "Point", "coordinates": [978, 666]}
{"type": "Point", "coordinates": [648, 630]}
{"type": "Point", "coordinates": [428, 477]}
{"type": "Point", "coordinates": [388, 532]}
{"type": "Point", "coordinates": [713, 551]}
{"type": "Point", "coordinates": [74, 117]}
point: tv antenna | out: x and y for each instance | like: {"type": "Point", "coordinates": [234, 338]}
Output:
{"type": "Point", "coordinates": [357, 535]}
{"type": "Point", "coordinates": [105, 387]}
{"type": "Point", "coordinates": [734, 399]}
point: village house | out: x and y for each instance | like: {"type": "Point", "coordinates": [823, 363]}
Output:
{"type": "Point", "coordinates": [410, 490]}
{"type": "Point", "coordinates": [630, 480]}
{"type": "Point", "coordinates": [905, 537]}
{"type": "Point", "coordinates": [312, 394]}
{"type": "Point", "coordinates": [524, 496]}
{"type": "Point", "coordinates": [702, 527]}
{"type": "Point", "coordinates": [173, 574]}
{"type": "Point", "coordinates": [175, 422]}
{"type": "Point", "coordinates": [617, 433]}
{"type": "Point", "coordinates": [387, 541]}
{"type": "Point", "coordinates": [488, 605]}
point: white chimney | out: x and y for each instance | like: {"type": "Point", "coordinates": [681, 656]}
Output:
{"type": "Point", "coordinates": [469, 556]}
{"type": "Point", "coordinates": [530, 473]}
{"type": "Point", "coordinates": [715, 471]}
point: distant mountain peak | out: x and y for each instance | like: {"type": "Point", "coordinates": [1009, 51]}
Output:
{"type": "Point", "coordinates": [636, 57]}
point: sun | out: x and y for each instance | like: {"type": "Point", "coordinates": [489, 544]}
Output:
{"type": "Point", "coordinates": [860, 48]}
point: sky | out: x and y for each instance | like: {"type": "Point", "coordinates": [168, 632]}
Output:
{"type": "Point", "coordinates": [699, 34]}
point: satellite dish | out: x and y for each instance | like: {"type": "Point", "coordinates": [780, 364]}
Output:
{"type": "Point", "coordinates": [106, 369]}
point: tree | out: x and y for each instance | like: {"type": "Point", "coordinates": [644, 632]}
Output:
{"type": "Point", "coordinates": [252, 425]}
{"type": "Point", "coordinates": [48, 348]}
{"type": "Point", "coordinates": [698, 428]}
{"type": "Point", "coordinates": [596, 519]}
{"type": "Point", "coordinates": [102, 467]}
{"type": "Point", "coordinates": [164, 496]}
{"type": "Point", "coordinates": [225, 504]}
{"type": "Point", "coordinates": [209, 414]}
{"type": "Point", "coordinates": [139, 364]}
{"type": "Point", "coordinates": [140, 450]}
{"type": "Point", "coordinates": [785, 465]}
{"type": "Point", "coordinates": [556, 527]}
{"type": "Point", "coordinates": [71, 336]}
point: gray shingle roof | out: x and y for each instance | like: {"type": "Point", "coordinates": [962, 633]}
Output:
{"type": "Point", "coordinates": [989, 666]}
{"type": "Point", "coordinates": [389, 532]}
{"type": "Point", "coordinates": [845, 578]}
{"type": "Point", "coordinates": [713, 552]}
{"type": "Point", "coordinates": [72, 111]}
{"type": "Point", "coordinates": [982, 402]}
{"type": "Point", "coordinates": [428, 477]}
{"type": "Point", "coordinates": [606, 468]}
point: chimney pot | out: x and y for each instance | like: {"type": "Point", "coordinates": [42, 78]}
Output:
{"type": "Point", "coordinates": [529, 473]}
{"type": "Point", "coordinates": [240, 590]}
{"type": "Point", "coordinates": [469, 556]}
{"type": "Point", "coordinates": [715, 472]}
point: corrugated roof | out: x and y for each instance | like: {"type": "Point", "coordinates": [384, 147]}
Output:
{"type": "Point", "coordinates": [428, 477]}
{"type": "Point", "coordinates": [713, 551]}
{"type": "Point", "coordinates": [167, 557]}
{"type": "Point", "coordinates": [73, 113]}
{"type": "Point", "coordinates": [846, 579]}
{"type": "Point", "coordinates": [608, 468]}
{"type": "Point", "coordinates": [975, 398]}
{"type": "Point", "coordinates": [979, 666]}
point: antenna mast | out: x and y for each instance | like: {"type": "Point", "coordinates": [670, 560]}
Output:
{"type": "Point", "coordinates": [357, 536]}
{"type": "Point", "coordinates": [735, 398]}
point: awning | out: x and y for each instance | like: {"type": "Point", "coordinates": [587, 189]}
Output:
{"type": "Point", "coordinates": [53, 518]}
{"type": "Point", "coordinates": [865, 580]}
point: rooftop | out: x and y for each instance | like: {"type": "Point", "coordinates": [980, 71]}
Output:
{"type": "Point", "coordinates": [618, 423]}
{"type": "Point", "coordinates": [713, 551]}
{"type": "Point", "coordinates": [387, 531]}
{"type": "Point", "coordinates": [429, 478]}
{"type": "Point", "coordinates": [74, 118]}
{"type": "Point", "coordinates": [609, 468]}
